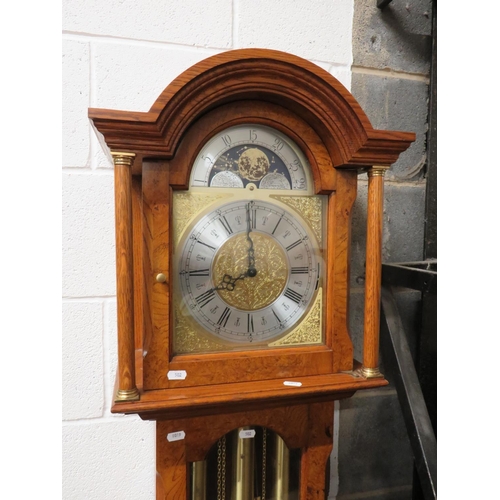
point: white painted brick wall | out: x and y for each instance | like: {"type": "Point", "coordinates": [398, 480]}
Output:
{"type": "Point", "coordinates": [82, 362]}
{"type": "Point", "coordinates": [121, 54]}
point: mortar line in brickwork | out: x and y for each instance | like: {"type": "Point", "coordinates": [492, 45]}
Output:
{"type": "Point", "coordinates": [100, 170]}
{"type": "Point", "coordinates": [88, 299]}
{"type": "Point", "coordinates": [235, 24]}
{"type": "Point", "coordinates": [82, 37]}
{"type": "Point", "coordinates": [389, 73]}
{"type": "Point", "coordinates": [394, 182]}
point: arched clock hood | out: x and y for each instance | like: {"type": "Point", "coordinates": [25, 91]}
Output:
{"type": "Point", "coordinates": [267, 75]}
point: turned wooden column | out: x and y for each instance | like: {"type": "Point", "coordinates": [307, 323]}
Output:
{"type": "Point", "coordinates": [127, 390]}
{"type": "Point", "coordinates": [373, 281]}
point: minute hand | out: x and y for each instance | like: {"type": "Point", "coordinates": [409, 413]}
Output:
{"type": "Point", "coordinates": [251, 253]}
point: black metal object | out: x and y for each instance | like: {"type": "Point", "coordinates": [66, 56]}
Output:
{"type": "Point", "coordinates": [415, 382]}
{"type": "Point", "coordinates": [430, 235]}
{"type": "Point", "coordinates": [421, 275]}
{"type": "Point", "coordinates": [383, 3]}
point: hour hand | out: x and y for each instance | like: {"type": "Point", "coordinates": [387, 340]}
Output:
{"type": "Point", "coordinates": [228, 282]}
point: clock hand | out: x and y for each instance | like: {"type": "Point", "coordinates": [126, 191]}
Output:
{"type": "Point", "coordinates": [251, 272]}
{"type": "Point", "coordinates": [228, 282]}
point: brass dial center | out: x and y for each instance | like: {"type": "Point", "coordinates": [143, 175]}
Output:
{"type": "Point", "coordinates": [266, 285]}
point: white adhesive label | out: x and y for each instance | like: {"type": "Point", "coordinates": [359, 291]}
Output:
{"type": "Point", "coordinates": [176, 436]}
{"type": "Point", "coordinates": [245, 434]}
{"type": "Point", "coordinates": [292, 384]}
{"type": "Point", "coordinates": [176, 374]}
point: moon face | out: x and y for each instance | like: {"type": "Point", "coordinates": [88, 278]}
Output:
{"type": "Point", "coordinates": [253, 164]}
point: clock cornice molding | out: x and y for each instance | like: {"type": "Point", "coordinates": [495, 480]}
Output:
{"type": "Point", "coordinates": [246, 74]}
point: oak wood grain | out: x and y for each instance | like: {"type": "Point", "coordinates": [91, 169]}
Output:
{"type": "Point", "coordinates": [157, 207]}
{"type": "Point", "coordinates": [209, 399]}
{"type": "Point", "coordinates": [339, 245]}
{"type": "Point", "coordinates": [318, 450]}
{"type": "Point", "coordinates": [374, 225]}
{"type": "Point", "coordinates": [308, 427]}
{"type": "Point", "coordinates": [138, 278]}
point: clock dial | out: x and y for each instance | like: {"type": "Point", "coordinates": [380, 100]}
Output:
{"type": "Point", "coordinates": [248, 271]}
{"type": "Point", "coordinates": [250, 154]}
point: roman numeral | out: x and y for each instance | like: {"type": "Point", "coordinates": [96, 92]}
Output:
{"type": "Point", "coordinates": [226, 225]}
{"type": "Point", "coordinates": [254, 218]}
{"type": "Point", "coordinates": [206, 297]}
{"type": "Point", "coordinates": [300, 270]}
{"type": "Point", "coordinates": [276, 316]}
{"type": "Point", "coordinates": [276, 227]}
{"type": "Point", "coordinates": [200, 272]}
{"type": "Point", "coordinates": [206, 244]}
{"type": "Point", "coordinates": [250, 323]}
{"type": "Point", "coordinates": [224, 317]}
{"type": "Point", "coordinates": [293, 245]}
{"type": "Point", "coordinates": [293, 295]}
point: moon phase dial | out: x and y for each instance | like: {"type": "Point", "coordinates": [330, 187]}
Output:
{"type": "Point", "coordinates": [266, 257]}
{"type": "Point", "coordinates": [253, 154]}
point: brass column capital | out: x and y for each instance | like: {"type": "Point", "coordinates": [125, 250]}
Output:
{"type": "Point", "coordinates": [377, 170]}
{"type": "Point", "coordinates": [122, 158]}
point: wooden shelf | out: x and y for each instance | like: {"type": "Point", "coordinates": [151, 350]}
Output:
{"type": "Point", "coordinates": [210, 399]}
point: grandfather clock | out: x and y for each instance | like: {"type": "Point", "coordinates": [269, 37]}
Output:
{"type": "Point", "coordinates": [233, 198]}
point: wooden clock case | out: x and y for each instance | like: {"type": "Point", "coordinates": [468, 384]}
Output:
{"type": "Point", "coordinates": [153, 153]}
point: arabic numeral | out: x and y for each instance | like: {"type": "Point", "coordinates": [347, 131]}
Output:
{"type": "Point", "coordinates": [226, 139]}
{"type": "Point", "coordinates": [207, 158]}
{"type": "Point", "coordinates": [278, 145]}
{"type": "Point", "coordinates": [253, 135]}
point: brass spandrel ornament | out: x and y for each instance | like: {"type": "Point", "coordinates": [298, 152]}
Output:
{"type": "Point", "coordinates": [187, 205]}
{"type": "Point", "coordinates": [309, 207]}
{"type": "Point", "coordinates": [310, 331]}
{"type": "Point", "coordinates": [187, 338]}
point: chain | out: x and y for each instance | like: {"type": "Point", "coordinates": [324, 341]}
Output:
{"type": "Point", "coordinates": [223, 496]}
{"type": "Point", "coordinates": [219, 468]}
{"type": "Point", "coordinates": [264, 453]}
